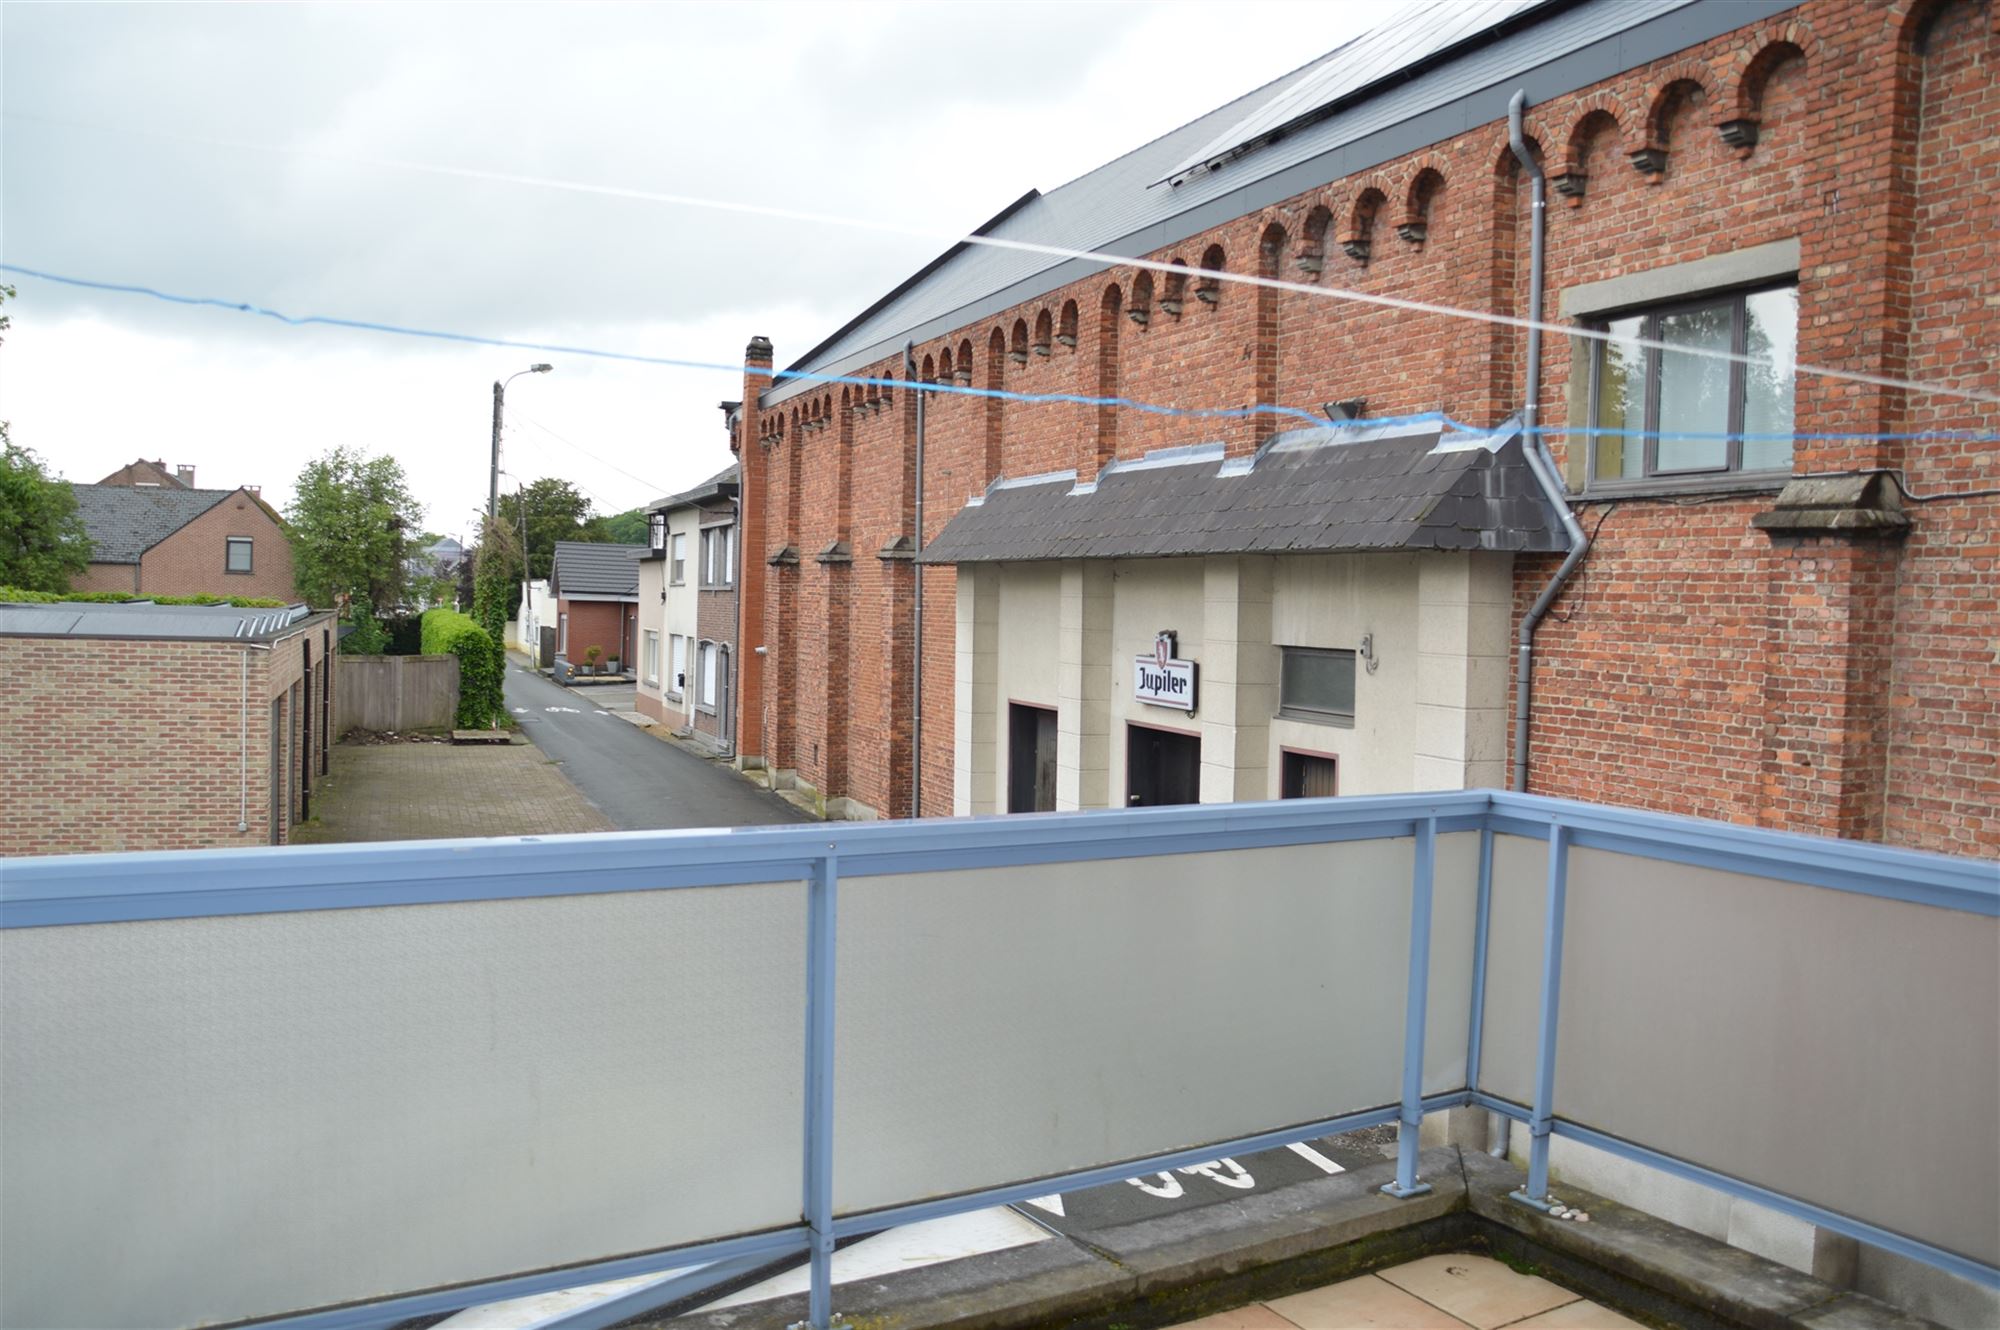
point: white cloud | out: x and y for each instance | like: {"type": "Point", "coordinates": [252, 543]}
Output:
{"type": "Point", "coordinates": [933, 115]}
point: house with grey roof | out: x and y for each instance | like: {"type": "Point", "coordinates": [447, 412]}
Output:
{"type": "Point", "coordinates": [175, 540]}
{"type": "Point", "coordinates": [596, 591]}
{"type": "Point", "coordinates": [687, 610]}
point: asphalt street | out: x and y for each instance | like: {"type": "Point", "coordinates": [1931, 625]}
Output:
{"type": "Point", "coordinates": [637, 781]}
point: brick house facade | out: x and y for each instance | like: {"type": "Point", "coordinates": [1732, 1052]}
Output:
{"type": "Point", "coordinates": [159, 742]}
{"type": "Point", "coordinates": [1737, 645]}
{"type": "Point", "coordinates": [596, 591]}
{"type": "Point", "coordinates": [179, 541]}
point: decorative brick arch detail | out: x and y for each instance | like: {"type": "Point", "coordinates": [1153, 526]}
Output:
{"type": "Point", "coordinates": [1312, 240]}
{"type": "Point", "coordinates": [1045, 333]}
{"type": "Point", "coordinates": [1912, 20]}
{"type": "Point", "coordinates": [1739, 109]}
{"type": "Point", "coordinates": [1591, 118]}
{"type": "Point", "coordinates": [964, 371]}
{"type": "Point", "coordinates": [1423, 180]}
{"type": "Point", "coordinates": [1357, 232]}
{"type": "Point", "coordinates": [1669, 87]}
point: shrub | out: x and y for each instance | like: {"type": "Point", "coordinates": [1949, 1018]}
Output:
{"type": "Point", "coordinates": [21, 596]}
{"type": "Point", "coordinates": [367, 639]}
{"type": "Point", "coordinates": [480, 664]}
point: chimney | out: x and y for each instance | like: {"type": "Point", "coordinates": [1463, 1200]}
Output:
{"type": "Point", "coordinates": [184, 474]}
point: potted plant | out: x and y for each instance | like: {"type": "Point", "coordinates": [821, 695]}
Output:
{"type": "Point", "coordinates": [591, 655]}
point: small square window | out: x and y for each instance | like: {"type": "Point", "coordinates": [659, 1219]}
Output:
{"type": "Point", "coordinates": [678, 565]}
{"type": "Point", "coordinates": [237, 558]}
{"type": "Point", "coordinates": [1317, 685]}
{"type": "Point", "coordinates": [1681, 409]}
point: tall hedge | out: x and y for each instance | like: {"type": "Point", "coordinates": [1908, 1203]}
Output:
{"type": "Point", "coordinates": [480, 664]}
{"type": "Point", "coordinates": [20, 596]}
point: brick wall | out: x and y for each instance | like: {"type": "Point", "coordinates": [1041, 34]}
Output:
{"type": "Point", "coordinates": [135, 745]}
{"type": "Point", "coordinates": [191, 561]}
{"type": "Point", "coordinates": [1694, 664]}
{"type": "Point", "coordinates": [715, 620]}
{"type": "Point", "coordinates": [600, 623]}
{"type": "Point", "coordinates": [107, 577]}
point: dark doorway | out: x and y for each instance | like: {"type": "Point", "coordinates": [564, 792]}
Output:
{"type": "Point", "coordinates": [1161, 767]}
{"type": "Point", "coordinates": [1031, 759]}
{"type": "Point", "coordinates": [1308, 776]}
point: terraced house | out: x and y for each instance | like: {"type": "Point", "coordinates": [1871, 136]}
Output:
{"type": "Point", "coordinates": [1707, 585]}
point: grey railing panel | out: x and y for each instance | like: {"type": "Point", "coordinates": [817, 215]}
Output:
{"type": "Point", "coordinates": [216, 1118]}
{"type": "Point", "coordinates": [1514, 967]}
{"type": "Point", "coordinates": [1841, 1048]}
{"type": "Point", "coordinates": [1000, 1025]}
{"type": "Point", "coordinates": [1455, 910]}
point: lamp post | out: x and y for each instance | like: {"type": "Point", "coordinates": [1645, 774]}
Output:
{"type": "Point", "coordinates": [499, 404]}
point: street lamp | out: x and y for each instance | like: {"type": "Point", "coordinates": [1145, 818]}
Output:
{"type": "Point", "coordinates": [499, 400]}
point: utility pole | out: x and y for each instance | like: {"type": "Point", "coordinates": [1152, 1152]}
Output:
{"type": "Point", "coordinates": [499, 407]}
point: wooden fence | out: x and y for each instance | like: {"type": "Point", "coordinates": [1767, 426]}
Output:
{"type": "Point", "coordinates": [396, 693]}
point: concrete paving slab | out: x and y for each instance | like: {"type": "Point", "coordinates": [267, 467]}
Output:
{"type": "Point", "coordinates": [1646, 1264]}
{"type": "Point", "coordinates": [1326, 1223]}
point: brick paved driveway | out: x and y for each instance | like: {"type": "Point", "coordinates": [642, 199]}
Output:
{"type": "Point", "coordinates": [426, 791]}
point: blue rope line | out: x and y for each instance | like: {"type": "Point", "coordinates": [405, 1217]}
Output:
{"type": "Point", "coordinates": [1311, 418]}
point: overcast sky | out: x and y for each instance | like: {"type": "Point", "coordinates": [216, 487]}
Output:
{"type": "Point", "coordinates": [932, 115]}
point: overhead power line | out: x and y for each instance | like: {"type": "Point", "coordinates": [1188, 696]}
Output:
{"type": "Point", "coordinates": [1098, 257]}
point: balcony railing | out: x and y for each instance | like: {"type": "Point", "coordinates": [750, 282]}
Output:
{"type": "Point", "coordinates": [350, 1085]}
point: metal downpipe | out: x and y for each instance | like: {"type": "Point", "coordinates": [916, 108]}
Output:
{"type": "Point", "coordinates": [1542, 465]}
{"type": "Point", "coordinates": [917, 619]}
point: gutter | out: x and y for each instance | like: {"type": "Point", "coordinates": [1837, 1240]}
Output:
{"type": "Point", "coordinates": [917, 569]}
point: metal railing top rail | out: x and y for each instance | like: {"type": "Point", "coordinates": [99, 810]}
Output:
{"type": "Point", "coordinates": [110, 888]}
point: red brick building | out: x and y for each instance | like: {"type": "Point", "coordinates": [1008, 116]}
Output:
{"type": "Point", "coordinates": [596, 590]}
{"type": "Point", "coordinates": [1788, 609]}
{"type": "Point", "coordinates": [169, 539]}
{"type": "Point", "coordinates": [160, 727]}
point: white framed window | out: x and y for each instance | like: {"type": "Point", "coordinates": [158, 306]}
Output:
{"type": "Point", "coordinates": [729, 556]}
{"type": "Point", "coordinates": [677, 564]}
{"type": "Point", "coordinates": [1316, 685]}
{"type": "Point", "coordinates": [650, 659]}
{"type": "Point", "coordinates": [678, 665]}
{"type": "Point", "coordinates": [1684, 414]}
{"type": "Point", "coordinates": [237, 555]}
{"type": "Point", "coordinates": [706, 697]}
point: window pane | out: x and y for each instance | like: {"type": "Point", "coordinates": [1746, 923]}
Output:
{"type": "Point", "coordinates": [1621, 402]}
{"type": "Point", "coordinates": [1318, 681]}
{"type": "Point", "coordinates": [1772, 331]}
{"type": "Point", "coordinates": [1694, 390]}
{"type": "Point", "coordinates": [239, 556]}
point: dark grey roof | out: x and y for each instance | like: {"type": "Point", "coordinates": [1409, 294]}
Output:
{"type": "Point", "coordinates": [1309, 491]}
{"type": "Point", "coordinates": [1422, 78]}
{"type": "Point", "coordinates": [143, 618]}
{"type": "Point", "coordinates": [721, 485]}
{"type": "Point", "coordinates": [586, 568]}
{"type": "Point", "coordinates": [124, 521]}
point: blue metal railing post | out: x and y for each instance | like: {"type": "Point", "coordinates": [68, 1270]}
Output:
{"type": "Point", "coordinates": [1536, 1193]}
{"type": "Point", "coordinates": [1416, 1005]}
{"type": "Point", "coordinates": [822, 893]}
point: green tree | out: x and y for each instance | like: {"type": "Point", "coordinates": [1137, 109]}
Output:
{"type": "Point", "coordinates": [556, 510]}
{"type": "Point", "coordinates": [626, 528]}
{"type": "Point", "coordinates": [42, 542]}
{"type": "Point", "coordinates": [351, 515]}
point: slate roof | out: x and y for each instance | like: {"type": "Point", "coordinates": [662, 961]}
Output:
{"type": "Point", "coordinates": [1308, 491]}
{"type": "Point", "coordinates": [722, 484]}
{"type": "Point", "coordinates": [1423, 77]}
{"type": "Point", "coordinates": [124, 521]}
{"type": "Point", "coordinates": [586, 568]}
{"type": "Point", "coordinates": [144, 619]}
